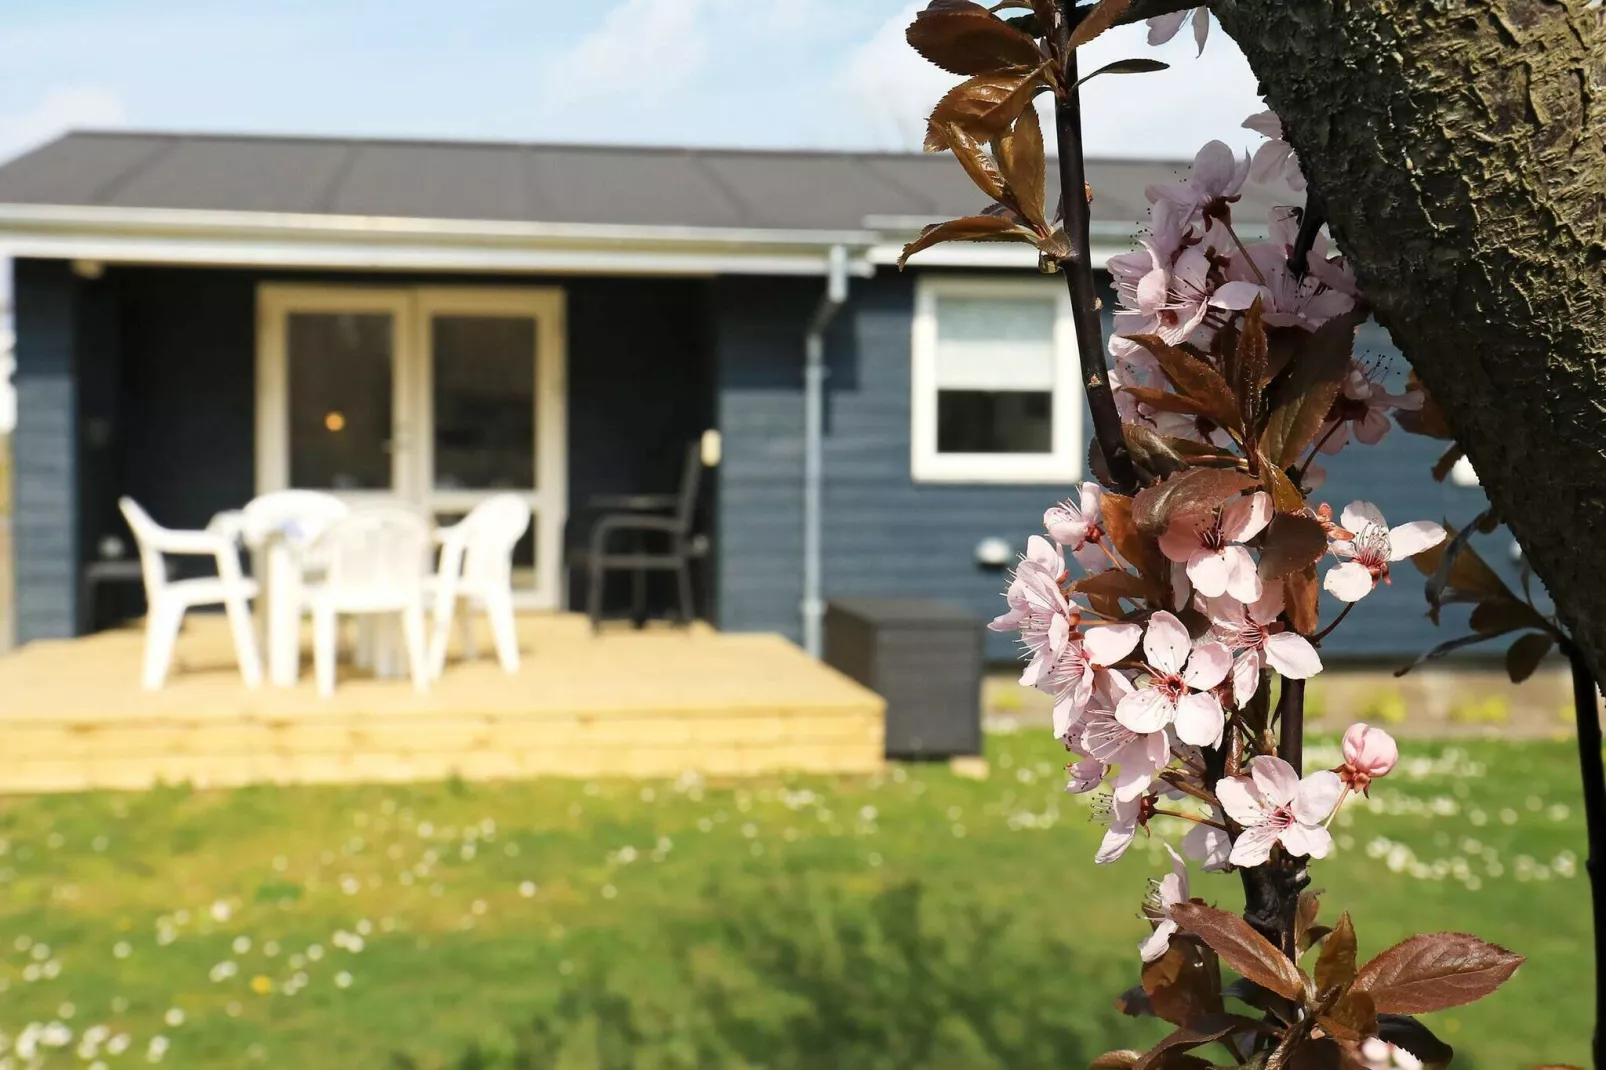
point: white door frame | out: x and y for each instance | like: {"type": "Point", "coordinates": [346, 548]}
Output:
{"type": "Point", "coordinates": [412, 404]}
{"type": "Point", "coordinates": [549, 499]}
{"type": "Point", "coordinates": [274, 303]}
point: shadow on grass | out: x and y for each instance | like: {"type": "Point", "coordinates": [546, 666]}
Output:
{"type": "Point", "coordinates": [808, 980]}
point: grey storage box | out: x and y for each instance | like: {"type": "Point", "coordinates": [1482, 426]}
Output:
{"type": "Point", "coordinates": [924, 658]}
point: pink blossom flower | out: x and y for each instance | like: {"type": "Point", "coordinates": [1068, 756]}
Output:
{"type": "Point", "coordinates": [1362, 408]}
{"type": "Point", "coordinates": [1124, 819]}
{"type": "Point", "coordinates": [1181, 677]}
{"type": "Point", "coordinates": [1075, 526]}
{"type": "Point", "coordinates": [1331, 271]}
{"type": "Point", "coordinates": [1374, 547]}
{"type": "Point", "coordinates": [1086, 775]}
{"type": "Point", "coordinates": [1164, 27]}
{"type": "Point", "coordinates": [1215, 180]}
{"type": "Point", "coordinates": [1276, 158]}
{"type": "Point", "coordinates": [1082, 662]}
{"type": "Point", "coordinates": [1210, 544]}
{"type": "Point", "coordinates": [1208, 845]}
{"type": "Point", "coordinates": [1368, 754]}
{"type": "Point", "coordinates": [1379, 1054]}
{"type": "Point", "coordinates": [1038, 609]}
{"type": "Point", "coordinates": [1274, 806]}
{"type": "Point", "coordinates": [1137, 756]}
{"type": "Point", "coordinates": [1284, 300]}
{"type": "Point", "coordinates": [1164, 894]}
{"type": "Point", "coordinates": [1254, 632]}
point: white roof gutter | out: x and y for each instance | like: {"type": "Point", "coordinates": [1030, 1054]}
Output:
{"type": "Point", "coordinates": [184, 236]}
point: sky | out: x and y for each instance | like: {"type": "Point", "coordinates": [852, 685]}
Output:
{"type": "Point", "coordinates": [757, 73]}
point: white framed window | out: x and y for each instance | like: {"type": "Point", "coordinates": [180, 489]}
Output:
{"type": "Point", "coordinates": [996, 384]}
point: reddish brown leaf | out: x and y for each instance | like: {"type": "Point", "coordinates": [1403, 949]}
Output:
{"type": "Point", "coordinates": [1105, 605]}
{"type": "Point", "coordinates": [1321, 1053]}
{"type": "Point", "coordinates": [1020, 158]}
{"type": "Point", "coordinates": [1406, 1032]}
{"type": "Point", "coordinates": [1523, 656]}
{"type": "Point", "coordinates": [1335, 967]}
{"type": "Point", "coordinates": [1096, 21]}
{"type": "Point", "coordinates": [1352, 1017]}
{"type": "Point", "coordinates": [1497, 616]}
{"type": "Point", "coordinates": [1441, 467]}
{"type": "Point", "coordinates": [1446, 647]}
{"type": "Point", "coordinates": [966, 38]}
{"type": "Point", "coordinates": [1303, 396]}
{"type": "Point", "coordinates": [1429, 420]}
{"type": "Point", "coordinates": [1285, 497]}
{"type": "Point", "coordinates": [1306, 911]}
{"type": "Point", "coordinates": [1195, 379]}
{"type": "Point", "coordinates": [1293, 540]}
{"type": "Point", "coordinates": [968, 151]}
{"type": "Point", "coordinates": [1141, 551]}
{"type": "Point", "coordinates": [1127, 66]}
{"type": "Point", "coordinates": [1250, 356]}
{"type": "Point", "coordinates": [967, 102]}
{"type": "Point", "coordinates": [1189, 492]}
{"type": "Point", "coordinates": [1161, 455]}
{"type": "Point", "coordinates": [1209, 1028]}
{"type": "Point", "coordinates": [1184, 984]}
{"type": "Point", "coordinates": [1241, 948]}
{"type": "Point", "coordinates": [1115, 583]}
{"type": "Point", "coordinates": [1458, 574]}
{"type": "Point", "coordinates": [1302, 600]}
{"type": "Point", "coordinates": [1435, 971]}
{"type": "Point", "coordinates": [970, 228]}
{"type": "Point", "coordinates": [1164, 400]}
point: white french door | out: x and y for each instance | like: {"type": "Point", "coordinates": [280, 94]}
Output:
{"type": "Point", "coordinates": [438, 396]}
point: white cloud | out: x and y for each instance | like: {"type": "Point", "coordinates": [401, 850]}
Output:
{"type": "Point", "coordinates": [661, 47]}
{"type": "Point", "coordinates": [887, 90]}
{"type": "Point", "coordinates": [641, 43]}
{"type": "Point", "coordinates": [59, 110]}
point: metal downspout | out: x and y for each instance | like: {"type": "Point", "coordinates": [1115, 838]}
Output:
{"type": "Point", "coordinates": [836, 292]}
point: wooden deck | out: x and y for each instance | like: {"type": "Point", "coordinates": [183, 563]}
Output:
{"type": "Point", "coordinates": [652, 703]}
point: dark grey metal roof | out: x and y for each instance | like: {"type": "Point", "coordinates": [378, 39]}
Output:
{"type": "Point", "coordinates": [671, 187]}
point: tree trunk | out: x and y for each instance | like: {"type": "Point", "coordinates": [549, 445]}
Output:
{"type": "Point", "coordinates": [1460, 146]}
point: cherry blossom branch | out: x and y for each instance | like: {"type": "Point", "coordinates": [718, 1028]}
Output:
{"type": "Point", "coordinates": [1078, 266]}
{"type": "Point", "coordinates": [1291, 724]}
{"type": "Point", "coordinates": [1239, 242]}
{"type": "Point", "coordinates": [1316, 639]}
{"type": "Point", "coordinates": [1196, 819]}
{"type": "Point", "coordinates": [1311, 222]}
{"type": "Point", "coordinates": [1310, 458]}
{"type": "Point", "coordinates": [1188, 789]}
{"type": "Point", "coordinates": [1586, 711]}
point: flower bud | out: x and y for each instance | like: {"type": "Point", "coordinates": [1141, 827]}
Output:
{"type": "Point", "coordinates": [1368, 753]}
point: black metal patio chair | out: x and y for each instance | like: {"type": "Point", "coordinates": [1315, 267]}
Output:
{"type": "Point", "coordinates": [642, 533]}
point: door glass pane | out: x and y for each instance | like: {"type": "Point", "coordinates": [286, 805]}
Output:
{"type": "Point", "coordinates": [484, 370]}
{"type": "Point", "coordinates": [340, 399]}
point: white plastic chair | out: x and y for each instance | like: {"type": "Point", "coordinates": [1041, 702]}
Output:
{"type": "Point", "coordinates": [375, 562]}
{"type": "Point", "coordinates": [168, 600]}
{"type": "Point", "coordinates": [477, 566]}
{"type": "Point", "coordinates": [282, 526]}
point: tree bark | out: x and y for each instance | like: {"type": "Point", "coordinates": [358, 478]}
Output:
{"type": "Point", "coordinates": [1460, 146]}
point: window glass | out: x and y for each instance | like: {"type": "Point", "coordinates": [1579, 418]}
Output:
{"type": "Point", "coordinates": [995, 374]}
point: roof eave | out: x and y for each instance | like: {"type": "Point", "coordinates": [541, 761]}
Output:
{"type": "Point", "coordinates": [196, 236]}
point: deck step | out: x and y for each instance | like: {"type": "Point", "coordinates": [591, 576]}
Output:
{"type": "Point", "coordinates": [657, 703]}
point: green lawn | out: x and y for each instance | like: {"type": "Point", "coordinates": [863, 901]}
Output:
{"type": "Point", "coordinates": [911, 920]}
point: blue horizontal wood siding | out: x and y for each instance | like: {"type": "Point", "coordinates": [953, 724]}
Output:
{"type": "Point", "coordinates": [44, 456]}
{"type": "Point", "coordinates": [885, 534]}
